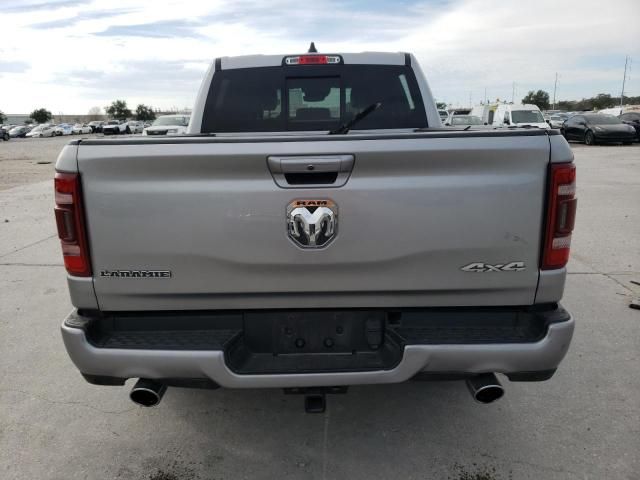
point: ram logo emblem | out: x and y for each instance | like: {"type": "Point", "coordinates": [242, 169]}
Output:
{"type": "Point", "coordinates": [312, 223]}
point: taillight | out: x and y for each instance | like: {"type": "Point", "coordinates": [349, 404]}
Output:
{"type": "Point", "coordinates": [312, 60]}
{"type": "Point", "coordinates": [70, 223]}
{"type": "Point", "coordinates": [561, 216]}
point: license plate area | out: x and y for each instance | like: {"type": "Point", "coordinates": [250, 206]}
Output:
{"type": "Point", "coordinates": [314, 332]}
{"type": "Point", "coordinates": [313, 341]}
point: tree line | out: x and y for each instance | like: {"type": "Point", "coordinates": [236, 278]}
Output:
{"type": "Point", "coordinates": [118, 110]}
{"type": "Point", "coordinates": [598, 102]}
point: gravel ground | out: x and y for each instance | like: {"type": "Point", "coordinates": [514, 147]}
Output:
{"type": "Point", "coordinates": [582, 424]}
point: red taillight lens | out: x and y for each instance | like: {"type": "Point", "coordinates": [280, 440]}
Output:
{"type": "Point", "coordinates": [70, 223]}
{"type": "Point", "coordinates": [312, 60]}
{"type": "Point", "coordinates": [561, 215]}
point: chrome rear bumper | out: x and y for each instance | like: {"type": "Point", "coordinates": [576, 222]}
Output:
{"type": "Point", "coordinates": [542, 355]}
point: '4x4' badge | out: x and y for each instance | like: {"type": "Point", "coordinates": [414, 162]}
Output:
{"type": "Point", "coordinates": [479, 267]}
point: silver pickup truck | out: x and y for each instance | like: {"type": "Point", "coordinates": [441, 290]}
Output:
{"type": "Point", "coordinates": [316, 228]}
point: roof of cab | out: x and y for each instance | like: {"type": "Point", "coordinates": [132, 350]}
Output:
{"type": "Point", "coordinates": [369, 58]}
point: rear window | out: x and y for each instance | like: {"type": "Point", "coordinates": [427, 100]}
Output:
{"type": "Point", "coordinates": [318, 97]}
{"type": "Point", "coordinates": [603, 119]}
{"type": "Point", "coordinates": [465, 120]}
{"type": "Point", "coordinates": [527, 116]}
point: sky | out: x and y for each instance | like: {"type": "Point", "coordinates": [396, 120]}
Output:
{"type": "Point", "coordinates": [71, 55]}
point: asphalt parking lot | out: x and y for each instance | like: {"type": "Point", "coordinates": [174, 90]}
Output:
{"type": "Point", "coordinates": [582, 424]}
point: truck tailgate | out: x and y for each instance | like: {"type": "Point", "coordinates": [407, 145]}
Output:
{"type": "Point", "coordinates": [414, 211]}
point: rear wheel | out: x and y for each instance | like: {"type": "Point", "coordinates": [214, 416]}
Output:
{"type": "Point", "coordinates": [128, 130]}
{"type": "Point", "coordinates": [5, 137]}
{"type": "Point", "coordinates": [589, 138]}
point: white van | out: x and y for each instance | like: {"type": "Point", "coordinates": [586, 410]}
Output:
{"type": "Point", "coordinates": [455, 111]}
{"type": "Point", "coordinates": [518, 116]}
{"type": "Point", "coordinates": [485, 111]}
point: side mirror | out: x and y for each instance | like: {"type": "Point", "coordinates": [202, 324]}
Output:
{"type": "Point", "coordinates": [507, 122]}
{"type": "Point", "coordinates": [447, 124]}
{"type": "Point", "coordinates": [581, 123]}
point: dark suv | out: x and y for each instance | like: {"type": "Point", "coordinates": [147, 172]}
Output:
{"type": "Point", "coordinates": [632, 119]}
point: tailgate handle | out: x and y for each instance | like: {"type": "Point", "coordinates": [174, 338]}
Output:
{"type": "Point", "coordinates": [310, 171]}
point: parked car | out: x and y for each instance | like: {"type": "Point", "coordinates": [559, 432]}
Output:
{"type": "Point", "coordinates": [593, 128]}
{"type": "Point", "coordinates": [557, 119]}
{"type": "Point", "coordinates": [510, 115]}
{"type": "Point", "coordinates": [19, 132]}
{"type": "Point", "coordinates": [464, 120]}
{"type": "Point", "coordinates": [456, 112]}
{"type": "Point", "coordinates": [44, 130]}
{"type": "Point", "coordinates": [4, 134]}
{"type": "Point", "coordinates": [81, 129]}
{"type": "Point", "coordinates": [96, 126]}
{"type": "Point", "coordinates": [135, 126]}
{"type": "Point", "coordinates": [485, 111]}
{"type": "Point", "coordinates": [292, 259]}
{"type": "Point", "coordinates": [168, 125]}
{"type": "Point", "coordinates": [443, 115]}
{"type": "Point", "coordinates": [632, 119]}
{"type": "Point", "coordinates": [63, 129]}
{"type": "Point", "coordinates": [114, 127]}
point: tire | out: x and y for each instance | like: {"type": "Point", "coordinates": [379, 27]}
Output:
{"type": "Point", "coordinates": [626, 143]}
{"type": "Point", "coordinates": [589, 138]}
{"type": "Point", "coordinates": [128, 131]}
{"type": "Point", "coordinates": [5, 137]}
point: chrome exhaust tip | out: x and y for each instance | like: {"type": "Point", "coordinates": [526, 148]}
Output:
{"type": "Point", "coordinates": [485, 388]}
{"type": "Point", "coordinates": [147, 393]}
